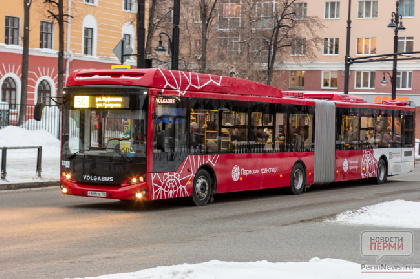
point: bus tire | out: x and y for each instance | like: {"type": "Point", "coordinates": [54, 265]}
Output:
{"type": "Point", "coordinates": [297, 179]}
{"type": "Point", "coordinates": [201, 188]}
{"type": "Point", "coordinates": [382, 172]}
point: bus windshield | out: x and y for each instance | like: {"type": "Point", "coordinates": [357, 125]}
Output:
{"type": "Point", "coordinates": [118, 132]}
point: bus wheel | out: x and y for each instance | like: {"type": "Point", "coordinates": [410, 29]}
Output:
{"type": "Point", "coordinates": [297, 179]}
{"type": "Point", "coordinates": [382, 172]}
{"type": "Point", "coordinates": [201, 188]}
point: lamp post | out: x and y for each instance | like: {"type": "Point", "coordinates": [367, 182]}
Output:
{"type": "Point", "coordinates": [174, 43]}
{"type": "Point", "coordinates": [396, 24]}
{"type": "Point", "coordinates": [347, 59]}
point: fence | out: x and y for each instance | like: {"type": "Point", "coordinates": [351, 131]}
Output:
{"type": "Point", "coordinates": [51, 118]}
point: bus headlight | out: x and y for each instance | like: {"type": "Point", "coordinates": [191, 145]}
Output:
{"type": "Point", "coordinates": [67, 175]}
{"type": "Point", "coordinates": [141, 194]}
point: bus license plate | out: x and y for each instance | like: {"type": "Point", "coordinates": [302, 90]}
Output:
{"type": "Point", "coordinates": [96, 194]}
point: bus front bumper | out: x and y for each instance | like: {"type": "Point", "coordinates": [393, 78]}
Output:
{"type": "Point", "coordinates": [137, 191]}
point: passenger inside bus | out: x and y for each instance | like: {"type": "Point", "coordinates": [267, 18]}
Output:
{"type": "Point", "coordinates": [196, 136]}
{"type": "Point", "coordinates": [261, 135]}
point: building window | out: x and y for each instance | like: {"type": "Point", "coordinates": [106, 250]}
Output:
{"type": "Point", "coordinates": [88, 39]}
{"type": "Point", "coordinates": [404, 79]}
{"type": "Point", "coordinates": [12, 30]}
{"type": "Point", "coordinates": [329, 79]}
{"type": "Point", "coordinates": [298, 47]}
{"type": "Point", "coordinates": [365, 80]}
{"type": "Point", "coordinates": [366, 45]}
{"type": "Point", "coordinates": [331, 46]}
{"type": "Point", "coordinates": [44, 92]}
{"type": "Point", "coordinates": [368, 9]}
{"type": "Point", "coordinates": [46, 34]}
{"type": "Point", "coordinates": [8, 89]}
{"type": "Point", "coordinates": [90, 1]}
{"type": "Point", "coordinates": [299, 10]}
{"type": "Point", "coordinates": [332, 10]}
{"type": "Point", "coordinates": [265, 15]}
{"type": "Point", "coordinates": [406, 8]}
{"type": "Point", "coordinates": [197, 14]}
{"type": "Point", "coordinates": [405, 44]}
{"type": "Point", "coordinates": [231, 10]}
{"type": "Point", "coordinates": [128, 5]}
{"type": "Point", "coordinates": [297, 79]}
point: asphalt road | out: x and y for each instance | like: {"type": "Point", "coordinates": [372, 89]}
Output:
{"type": "Point", "coordinates": [44, 234]}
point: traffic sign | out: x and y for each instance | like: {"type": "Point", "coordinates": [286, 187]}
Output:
{"type": "Point", "coordinates": [123, 51]}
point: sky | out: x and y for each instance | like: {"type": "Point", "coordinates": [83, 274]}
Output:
{"type": "Point", "coordinates": [395, 214]}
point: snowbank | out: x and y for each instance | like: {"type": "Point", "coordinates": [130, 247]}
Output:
{"type": "Point", "coordinates": [398, 213]}
{"type": "Point", "coordinates": [314, 269]}
{"type": "Point", "coordinates": [21, 163]}
{"type": "Point", "coordinates": [15, 136]}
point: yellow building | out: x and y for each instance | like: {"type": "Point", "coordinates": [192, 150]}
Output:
{"type": "Point", "coordinates": [90, 35]}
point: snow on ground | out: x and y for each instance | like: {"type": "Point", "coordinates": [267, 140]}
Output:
{"type": "Point", "coordinates": [21, 164]}
{"type": "Point", "coordinates": [398, 213]}
{"type": "Point", "coordinates": [314, 269]}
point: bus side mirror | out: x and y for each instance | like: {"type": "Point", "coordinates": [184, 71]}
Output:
{"type": "Point", "coordinates": [38, 111]}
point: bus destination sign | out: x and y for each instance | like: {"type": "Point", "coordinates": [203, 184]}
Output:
{"type": "Point", "coordinates": [101, 102]}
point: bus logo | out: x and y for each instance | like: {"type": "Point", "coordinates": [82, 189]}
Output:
{"type": "Point", "coordinates": [235, 173]}
{"type": "Point", "coordinates": [345, 165]}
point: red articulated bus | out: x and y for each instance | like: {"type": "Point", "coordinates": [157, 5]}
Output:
{"type": "Point", "coordinates": [157, 134]}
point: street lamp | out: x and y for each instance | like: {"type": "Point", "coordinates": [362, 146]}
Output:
{"type": "Point", "coordinates": [396, 24]}
{"type": "Point", "coordinates": [160, 49]}
{"type": "Point", "coordinates": [384, 82]}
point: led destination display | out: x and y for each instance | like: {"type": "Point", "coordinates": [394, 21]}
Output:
{"type": "Point", "coordinates": [101, 102]}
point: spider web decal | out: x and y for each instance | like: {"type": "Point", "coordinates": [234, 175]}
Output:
{"type": "Point", "coordinates": [174, 184]}
{"type": "Point", "coordinates": [183, 81]}
{"type": "Point", "coordinates": [369, 164]}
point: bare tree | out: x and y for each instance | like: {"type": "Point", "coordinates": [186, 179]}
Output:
{"type": "Point", "coordinates": [25, 62]}
{"type": "Point", "coordinates": [206, 18]}
{"type": "Point", "coordinates": [55, 11]}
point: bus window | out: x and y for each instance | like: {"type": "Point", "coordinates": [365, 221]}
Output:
{"type": "Point", "coordinates": [397, 138]}
{"type": "Point", "coordinates": [367, 130]}
{"type": "Point", "coordinates": [408, 130]}
{"type": "Point", "coordinates": [350, 131]}
{"type": "Point", "coordinates": [234, 127]}
{"type": "Point", "coordinates": [300, 130]}
{"type": "Point", "coordinates": [169, 141]}
{"type": "Point", "coordinates": [383, 129]}
{"type": "Point", "coordinates": [280, 132]}
{"type": "Point", "coordinates": [204, 126]}
{"type": "Point", "coordinates": [261, 130]}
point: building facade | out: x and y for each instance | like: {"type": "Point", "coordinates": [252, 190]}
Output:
{"type": "Point", "coordinates": [370, 36]}
{"type": "Point", "coordinates": [91, 31]}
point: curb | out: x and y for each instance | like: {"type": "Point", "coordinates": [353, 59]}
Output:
{"type": "Point", "coordinates": [28, 185]}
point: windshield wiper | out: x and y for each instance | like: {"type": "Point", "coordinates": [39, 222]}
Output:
{"type": "Point", "coordinates": [119, 152]}
{"type": "Point", "coordinates": [75, 153]}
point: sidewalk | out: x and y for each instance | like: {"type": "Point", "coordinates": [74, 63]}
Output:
{"type": "Point", "coordinates": [21, 171]}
